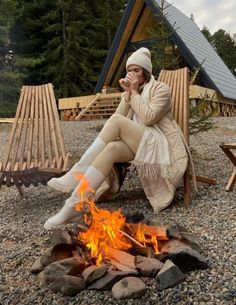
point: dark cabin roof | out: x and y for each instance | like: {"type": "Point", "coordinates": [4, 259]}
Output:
{"type": "Point", "coordinates": [193, 46]}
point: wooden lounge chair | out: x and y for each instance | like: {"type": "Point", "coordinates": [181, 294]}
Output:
{"type": "Point", "coordinates": [178, 81]}
{"type": "Point", "coordinates": [35, 152]}
{"type": "Point", "coordinates": [227, 147]}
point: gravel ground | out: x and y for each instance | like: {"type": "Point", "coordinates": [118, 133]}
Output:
{"type": "Point", "coordinates": [211, 216]}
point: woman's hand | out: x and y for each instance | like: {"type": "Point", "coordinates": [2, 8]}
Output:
{"type": "Point", "coordinates": [124, 85]}
{"type": "Point", "coordinates": [133, 80]}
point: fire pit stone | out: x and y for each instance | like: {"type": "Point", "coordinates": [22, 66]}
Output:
{"type": "Point", "coordinates": [170, 275]}
{"type": "Point", "coordinates": [129, 288]}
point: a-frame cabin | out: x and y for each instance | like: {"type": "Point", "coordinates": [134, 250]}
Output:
{"type": "Point", "coordinates": [193, 47]}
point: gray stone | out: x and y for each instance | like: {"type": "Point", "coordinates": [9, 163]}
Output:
{"type": "Point", "coordinates": [183, 256]}
{"type": "Point", "coordinates": [37, 266]}
{"type": "Point", "coordinates": [110, 278]}
{"type": "Point", "coordinates": [43, 261]}
{"type": "Point", "coordinates": [128, 288]}
{"type": "Point", "coordinates": [92, 273]}
{"type": "Point", "coordinates": [169, 275]}
{"type": "Point", "coordinates": [62, 251]}
{"type": "Point", "coordinates": [68, 285]}
{"type": "Point", "coordinates": [69, 266]}
{"type": "Point", "coordinates": [61, 237]}
{"type": "Point", "coordinates": [148, 266]}
{"type": "Point", "coordinates": [180, 232]}
{"type": "Point", "coordinates": [55, 253]}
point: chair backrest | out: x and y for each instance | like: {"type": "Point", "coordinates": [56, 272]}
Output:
{"type": "Point", "coordinates": [36, 139]}
{"type": "Point", "coordinates": [178, 81]}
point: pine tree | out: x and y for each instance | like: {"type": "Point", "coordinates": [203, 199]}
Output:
{"type": "Point", "coordinates": [224, 45]}
{"type": "Point", "coordinates": [68, 42]}
{"type": "Point", "coordinates": [10, 78]}
{"type": "Point", "coordinates": [226, 48]}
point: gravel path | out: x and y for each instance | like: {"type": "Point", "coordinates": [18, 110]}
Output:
{"type": "Point", "coordinates": [211, 216]}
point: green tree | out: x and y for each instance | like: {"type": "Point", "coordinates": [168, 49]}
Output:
{"type": "Point", "coordinates": [205, 31]}
{"type": "Point", "coordinates": [28, 38]}
{"type": "Point", "coordinates": [224, 45]}
{"type": "Point", "coordinates": [226, 48]}
{"type": "Point", "coordinates": [65, 41]}
{"type": "Point", "coordinates": [10, 78]}
{"type": "Point", "coordinates": [81, 34]}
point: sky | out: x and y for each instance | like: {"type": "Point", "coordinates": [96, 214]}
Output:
{"type": "Point", "coordinates": [214, 14]}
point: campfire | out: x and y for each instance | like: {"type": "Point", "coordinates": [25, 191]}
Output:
{"type": "Point", "coordinates": [108, 252]}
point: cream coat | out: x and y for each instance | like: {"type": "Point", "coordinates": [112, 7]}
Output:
{"type": "Point", "coordinates": [159, 191]}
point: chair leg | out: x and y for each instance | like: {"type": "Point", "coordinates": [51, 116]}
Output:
{"type": "Point", "coordinates": [20, 190]}
{"type": "Point", "coordinates": [187, 187]}
{"type": "Point", "coordinates": [232, 180]}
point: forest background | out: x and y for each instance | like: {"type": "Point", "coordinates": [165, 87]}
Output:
{"type": "Point", "coordinates": [65, 42]}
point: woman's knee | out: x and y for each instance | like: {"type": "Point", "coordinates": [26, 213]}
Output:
{"type": "Point", "coordinates": [113, 150]}
{"type": "Point", "coordinates": [116, 118]}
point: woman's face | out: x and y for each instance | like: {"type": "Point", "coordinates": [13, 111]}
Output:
{"type": "Point", "coordinates": [138, 71]}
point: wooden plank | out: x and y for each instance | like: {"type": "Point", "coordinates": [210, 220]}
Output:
{"type": "Point", "coordinates": [41, 122]}
{"type": "Point", "coordinates": [178, 98]}
{"type": "Point", "coordinates": [181, 99]}
{"type": "Point", "coordinates": [86, 109]}
{"type": "Point", "coordinates": [231, 182]}
{"type": "Point", "coordinates": [138, 5]}
{"type": "Point", "coordinates": [19, 111]}
{"type": "Point", "coordinates": [147, 20]}
{"type": "Point", "coordinates": [198, 92]}
{"type": "Point", "coordinates": [229, 145]}
{"type": "Point", "coordinates": [186, 105]}
{"type": "Point", "coordinates": [21, 152]}
{"type": "Point", "coordinates": [57, 125]}
{"type": "Point", "coordinates": [207, 180]}
{"type": "Point", "coordinates": [174, 90]}
{"type": "Point", "coordinates": [83, 101]}
{"type": "Point", "coordinates": [229, 154]}
{"type": "Point", "coordinates": [52, 132]}
{"type": "Point", "coordinates": [46, 122]}
{"type": "Point", "coordinates": [100, 110]}
{"type": "Point", "coordinates": [187, 186]}
{"type": "Point", "coordinates": [7, 120]}
{"type": "Point", "coordinates": [36, 133]}
{"type": "Point", "coordinates": [66, 162]}
{"type": "Point", "coordinates": [31, 128]}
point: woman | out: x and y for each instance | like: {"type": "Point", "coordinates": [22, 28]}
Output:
{"type": "Point", "coordinates": [142, 131]}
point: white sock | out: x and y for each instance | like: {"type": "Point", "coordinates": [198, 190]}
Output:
{"type": "Point", "coordinates": [95, 178]}
{"type": "Point", "coordinates": [69, 181]}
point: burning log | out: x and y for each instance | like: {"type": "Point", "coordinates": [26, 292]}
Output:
{"type": "Point", "coordinates": [121, 259]}
{"type": "Point", "coordinates": [153, 231]}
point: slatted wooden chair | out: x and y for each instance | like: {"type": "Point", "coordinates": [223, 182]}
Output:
{"type": "Point", "coordinates": [178, 81]}
{"type": "Point", "coordinates": [227, 149]}
{"type": "Point", "coordinates": [35, 152]}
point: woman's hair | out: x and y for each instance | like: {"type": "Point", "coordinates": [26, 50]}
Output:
{"type": "Point", "coordinates": [147, 75]}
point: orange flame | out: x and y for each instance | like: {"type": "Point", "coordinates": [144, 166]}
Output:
{"type": "Point", "coordinates": [104, 230]}
{"type": "Point", "coordinates": [104, 226]}
{"type": "Point", "coordinates": [153, 241]}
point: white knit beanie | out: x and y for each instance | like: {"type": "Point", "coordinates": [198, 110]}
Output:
{"type": "Point", "coordinates": [142, 58]}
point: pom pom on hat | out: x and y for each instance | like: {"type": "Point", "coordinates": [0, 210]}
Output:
{"type": "Point", "coordinates": [142, 58]}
